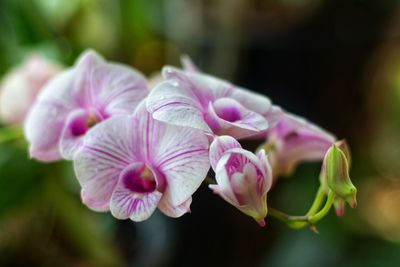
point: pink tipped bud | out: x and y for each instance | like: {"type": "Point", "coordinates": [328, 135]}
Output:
{"type": "Point", "coordinates": [243, 179]}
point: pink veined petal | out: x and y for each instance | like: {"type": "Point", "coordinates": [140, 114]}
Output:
{"type": "Point", "coordinates": [219, 146]}
{"type": "Point", "coordinates": [205, 87]}
{"type": "Point", "coordinates": [89, 59]}
{"type": "Point", "coordinates": [301, 150]}
{"type": "Point", "coordinates": [107, 149]}
{"type": "Point", "coordinates": [291, 123]}
{"type": "Point", "coordinates": [228, 117]}
{"type": "Point", "coordinates": [253, 101]}
{"type": "Point", "coordinates": [267, 170]}
{"type": "Point", "coordinates": [243, 182]}
{"type": "Point", "coordinates": [208, 88]}
{"type": "Point", "coordinates": [95, 204]}
{"type": "Point", "coordinates": [223, 186]}
{"type": "Point", "coordinates": [43, 128]}
{"type": "Point", "coordinates": [45, 121]}
{"type": "Point", "coordinates": [273, 115]}
{"type": "Point", "coordinates": [127, 203]}
{"type": "Point", "coordinates": [117, 89]}
{"type": "Point", "coordinates": [171, 102]}
{"type": "Point", "coordinates": [179, 153]}
{"type": "Point", "coordinates": [84, 65]}
{"type": "Point", "coordinates": [174, 211]}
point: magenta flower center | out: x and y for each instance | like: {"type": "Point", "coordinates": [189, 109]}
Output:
{"type": "Point", "coordinates": [139, 180]}
{"type": "Point", "coordinates": [229, 113]}
{"type": "Point", "coordinates": [81, 124]}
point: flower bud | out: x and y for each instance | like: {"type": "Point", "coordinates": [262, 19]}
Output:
{"type": "Point", "coordinates": [336, 175]}
{"type": "Point", "coordinates": [243, 179]}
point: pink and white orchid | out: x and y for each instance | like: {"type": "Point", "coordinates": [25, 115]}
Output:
{"type": "Point", "coordinates": [78, 98]}
{"type": "Point", "coordinates": [294, 140]}
{"type": "Point", "coordinates": [193, 99]}
{"type": "Point", "coordinates": [243, 179]}
{"type": "Point", "coordinates": [133, 164]}
{"type": "Point", "coordinates": [21, 85]}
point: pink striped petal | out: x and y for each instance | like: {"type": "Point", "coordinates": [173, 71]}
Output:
{"type": "Point", "coordinates": [296, 140]}
{"type": "Point", "coordinates": [172, 103]}
{"type": "Point", "coordinates": [45, 121]}
{"type": "Point", "coordinates": [219, 146]}
{"type": "Point", "coordinates": [179, 153]}
{"type": "Point", "coordinates": [253, 101]}
{"type": "Point", "coordinates": [174, 211]}
{"type": "Point", "coordinates": [117, 89]}
{"type": "Point", "coordinates": [105, 153]}
{"type": "Point", "coordinates": [228, 117]}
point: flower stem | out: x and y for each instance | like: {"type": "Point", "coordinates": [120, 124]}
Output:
{"type": "Point", "coordinates": [312, 216]}
{"type": "Point", "coordinates": [322, 213]}
{"type": "Point", "coordinates": [318, 200]}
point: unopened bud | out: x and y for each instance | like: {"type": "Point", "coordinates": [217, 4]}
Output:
{"type": "Point", "coordinates": [336, 170]}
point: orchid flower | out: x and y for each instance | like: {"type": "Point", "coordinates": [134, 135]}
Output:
{"type": "Point", "coordinates": [243, 179]}
{"type": "Point", "coordinates": [294, 140]}
{"type": "Point", "coordinates": [21, 85]}
{"type": "Point", "coordinates": [131, 165]}
{"type": "Point", "coordinates": [77, 99]}
{"type": "Point", "coordinates": [193, 99]}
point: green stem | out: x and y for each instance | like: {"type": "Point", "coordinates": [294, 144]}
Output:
{"type": "Point", "coordinates": [286, 218]}
{"type": "Point", "coordinates": [322, 213]}
{"type": "Point", "coordinates": [312, 216]}
{"type": "Point", "coordinates": [317, 203]}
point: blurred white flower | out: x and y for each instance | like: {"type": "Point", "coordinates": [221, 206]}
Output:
{"type": "Point", "coordinates": [20, 86]}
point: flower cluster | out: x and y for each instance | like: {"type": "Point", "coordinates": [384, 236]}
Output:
{"type": "Point", "coordinates": [136, 148]}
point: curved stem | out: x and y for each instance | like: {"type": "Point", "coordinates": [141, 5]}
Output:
{"type": "Point", "coordinates": [286, 218]}
{"type": "Point", "coordinates": [322, 213]}
{"type": "Point", "coordinates": [317, 203]}
{"type": "Point", "coordinates": [312, 216]}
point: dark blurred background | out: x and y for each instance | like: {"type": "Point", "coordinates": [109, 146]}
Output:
{"type": "Point", "coordinates": [335, 62]}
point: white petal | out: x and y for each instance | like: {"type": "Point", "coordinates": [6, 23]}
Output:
{"type": "Point", "coordinates": [247, 124]}
{"type": "Point", "coordinates": [45, 121]}
{"type": "Point", "coordinates": [117, 89]}
{"type": "Point", "coordinates": [219, 146]}
{"type": "Point", "coordinates": [179, 153]}
{"type": "Point", "coordinates": [251, 100]}
{"type": "Point", "coordinates": [171, 102]}
{"type": "Point", "coordinates": [174, 211]}
{"type": "Point", "coordinates": [106, 151]}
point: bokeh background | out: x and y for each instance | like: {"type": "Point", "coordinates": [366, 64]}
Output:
{"type": "Point", "coordinates": [335, 62]}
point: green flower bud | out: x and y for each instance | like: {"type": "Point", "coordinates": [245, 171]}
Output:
{"type": "Point", "coordinates": [336, 171]}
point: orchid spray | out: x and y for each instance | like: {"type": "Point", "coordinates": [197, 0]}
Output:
{"type": "Point", "coordinates": [135, 149]}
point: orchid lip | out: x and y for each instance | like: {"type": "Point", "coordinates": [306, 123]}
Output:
{"type": "Point", "coordinates": [81, 124]}
{"type": "Point", "coordinates": [230, 113]}
{"type": "Point", "coordinates": [139, 180]}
